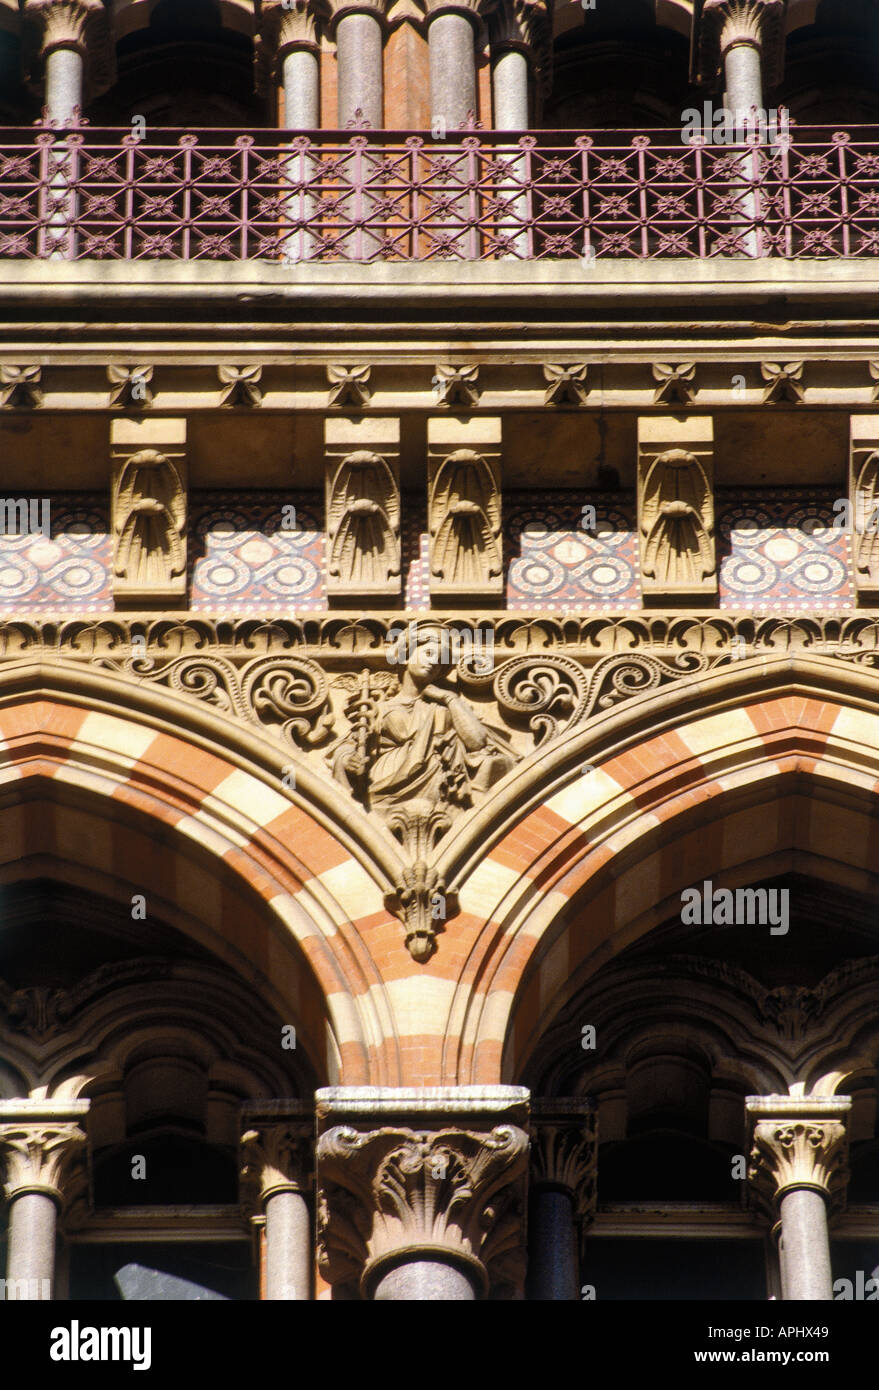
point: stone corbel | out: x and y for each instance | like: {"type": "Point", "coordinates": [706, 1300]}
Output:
{"type": "Point", "coordinates": [724, 24]}
{"type": "Point", "coordinates": [130, 387]}
{"type": "Point", "coordinates": [149, 511]}
{"type": "Point", "coordinates": [422, 1195]}
{"type": "Point", "coordinates": [21, 387]}
{"type": "Point", "coordinates": [363, 507]}
{"type": "Point", "coordinates": [84, 26]}
{"type": "Point", "coordinates": [784, 383]}
{"type": "Point", "coordinates": [676, 507]}
{"type": "Point", "coordinates": [863, 499]}
{"type": "Point", "coordinates": [464, 507]}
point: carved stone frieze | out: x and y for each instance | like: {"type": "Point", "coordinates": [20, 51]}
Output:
{"type": "Point", "coordinates": [456, 386]}
{"type": "Point", "coordinates": [450, 1195]}
{"type": "Point", "coordinates": [676, 507]}
{"type": "Point", "coordinates": [464, 507]}
{"type": "Point", "coordinates": [149, 513]}
{"type": "Point", "coordinates": [363, 507]}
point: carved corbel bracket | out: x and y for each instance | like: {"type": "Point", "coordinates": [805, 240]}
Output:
{"type": "Point", "coordinates": [149, 507]}
{"type": "Point", "coordinates": [464, 507]}
{"type": "Point", "coordinates": [676, 507]}
{"type": "Point", "coordinates": [784, 383]}
{"type": "Point", "coordinates": [240, 385]}
{"type": "Point", "coordinates": [363, 507]}
{"type": "Point", "coordinates": [130, 387]}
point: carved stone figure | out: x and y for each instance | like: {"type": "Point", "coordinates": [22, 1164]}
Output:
{"type": "Point", "coordinates": [426, 745]}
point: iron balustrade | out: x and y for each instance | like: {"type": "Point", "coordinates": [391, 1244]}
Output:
{"type": "Point", "coordinates": [89, 193]}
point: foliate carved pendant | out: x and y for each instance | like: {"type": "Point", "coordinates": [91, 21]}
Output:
{"type": "Point", "coordinates": [363, 509]}
{"type": "Point", "coordinates": [149, 525]}
{"type": "Point", "coordinates": [464, 507]}
{"type": "Point", "coordinates": [676, 511]}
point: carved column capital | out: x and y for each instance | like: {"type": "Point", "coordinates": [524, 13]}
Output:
{"type": "Point", "coordinates": [726, 23]}
{"type": "Point", "coordinates": [41, 1145]}
{"type": "Point", "coordinates": [282, 29]}
{"type": "Point", "coordinates": [564, 1150]}
{"type": "Point", "coordinates": [339, 9]}
{"type": "Point", "coordinates": [277, 1150]}
{"type": "Point", "coordinates": [798, 1142]}
{"type": "Point", "coordinates": [84, 26]}
{"type": "Point", "coordinates": [424, 1188]}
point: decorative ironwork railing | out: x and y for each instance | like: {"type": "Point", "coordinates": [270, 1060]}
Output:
{"type": "Point", "coordinates": [378, 195]}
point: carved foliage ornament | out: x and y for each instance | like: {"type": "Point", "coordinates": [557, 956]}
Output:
{"type": "Point", "coordinates": [21, 386]}
{"type": "Point", "coordinates": [283, 26]}
{"type": "Point", "coordinates": [240, 385]}
{"type": "Point", "coordinates": [674, 383]}
{"type": "Point", "coordinates": [784, 383]}
{"type": "Point", "coordinates": [276, 1158]}
{"type": "Point", "coordinates": [149, 521]}
{"type": "Point", "coordinates": [456, 386]}
{"type": "Point", "coordinates": [865, 532]}
{"type": "Point", "coordinates": [82, 25]}
{"type": "Point", "coordinates": [725, 23]}
{"type": "Point", "coordinates": [38, 1156]}
{"type": "Point", "coordinates": [676, 523]}
{"type": "Point", "coordinates": [566, 384]}
{"type": "Point", "coordinates": [464, 517]}
{"type": "Point", "coordinates": [349, 385]}
{"type": "Point", "coordinates": [452, 1195]}
{"type": "Point", "coordinates": [363, 524]}
{"type": "Point", "coordinates": [130, 386]}
{"type": "Point", "coordinates": [795, 1153]}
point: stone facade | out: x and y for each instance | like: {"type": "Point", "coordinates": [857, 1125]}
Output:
{"type": "Point", "coordinates": [438, 665]}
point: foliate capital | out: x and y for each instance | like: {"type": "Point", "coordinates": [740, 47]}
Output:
{"type": "Point", "coordinates": [80, 25]}
{"type": "Point", "coordinates": [725, 23]}
{"type": "Point", "coordinates": [276, 1151]}
{"type": "Point", "coordinates": [564, 1150]}
{"type": "Point", "coordinates": [452, 1195]}
{"type": "Point", "coordinates": [437, 1174]}
{"type": "Point", "coordinates": [798, 1142]}
{"type": "Point", "coordinates": [40, 1147]}
{"type": "Point", "coordinates": [282, 28]}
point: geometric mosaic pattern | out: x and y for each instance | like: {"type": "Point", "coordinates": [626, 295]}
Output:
{"type": "Point", "coordinates": [777, 549]}
{"type": "Point", "coordinates": [780, 549]}
{"type": "Point", "coordinates": [555, 563]}
{"type": "Point", "coordinates": [70, 568]}
{"type": "Point", "coordinates": [249, 555]}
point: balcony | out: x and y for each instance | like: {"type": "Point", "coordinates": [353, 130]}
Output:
{"type": "Point", "coordinates": [363, 196]}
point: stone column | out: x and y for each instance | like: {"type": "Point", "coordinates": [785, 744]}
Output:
{"type": "Point", "coordinates": [746, 38]}
{"type": "Point", "coordinates": [359, 34]}
{"type": "Point", "coordinates": [520, 33]}
{"type": "Point", "coordinates": [451, 35]}
{"type": "Point", "coordinates": [421, 1193]}
{"type": "Point", "coordinates": [798, 1171]}
{"type": "Point", "coordinates": [564, 1150]}
{"type": "Point", "coordinates": [277, 1146]}
{"type": "Point", "coordinates": [40, 1143]}
{"type": "Point", "coordinates": [67, 49]}
{"type": "Point", "coordinates": [288, 53]}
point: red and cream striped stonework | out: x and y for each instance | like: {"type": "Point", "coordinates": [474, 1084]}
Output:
{"type": "Point", "coordinates": [773, 781]}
